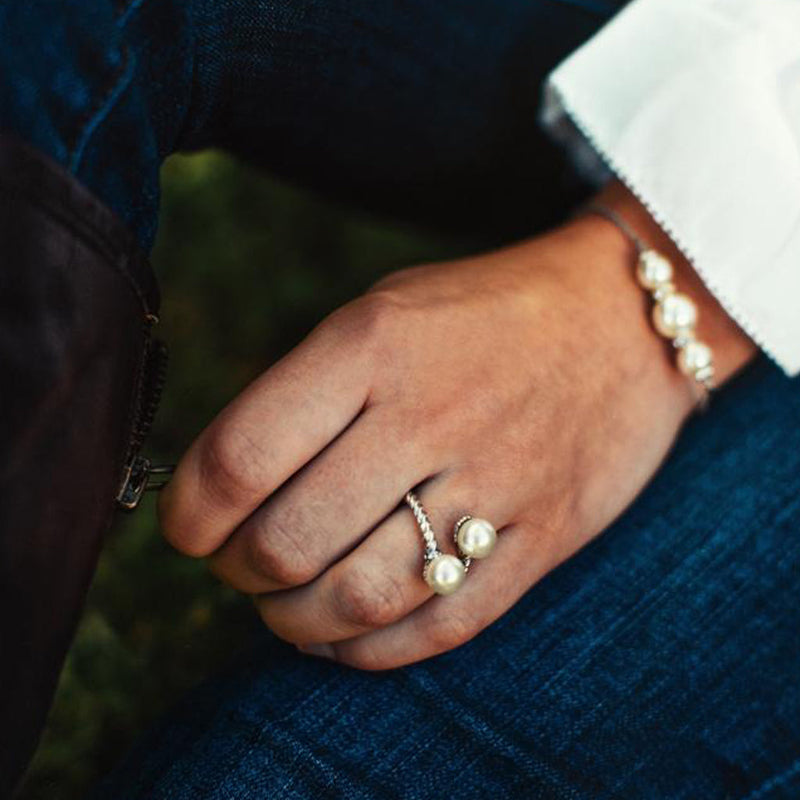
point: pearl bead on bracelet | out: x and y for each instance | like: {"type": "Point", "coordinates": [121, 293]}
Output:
{"type": "Point", "coordinates": [674, 314]}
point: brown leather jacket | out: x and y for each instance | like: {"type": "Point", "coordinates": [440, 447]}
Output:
{"type": "Point", "coordinates": [79, 379]}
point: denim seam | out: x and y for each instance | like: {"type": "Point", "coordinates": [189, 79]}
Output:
{"type": "Point", "coordinates": [276, 729]}
{"type": "Point", "coordinates": [752, 656]}
{"type": "Point", "coordinates": [651, 599]}
{"type": "Point", "coordinates": [605, 643]}
{"type": "Point", "coordinates": [107, 102]}
{"type": "Point", "coordinates": [532, 766]}
{"type": "Point", "coordinates": [698, 576]}
{"type": "Point", "coordinates": [641, 584]}
{"type": "Point", "coordinates": [334, 776]}
{"type": "Point", "coordinates": [128, 12]}
{"type": "Point", "coordinates": [252, 741]}
{"type": "Point", "coordinates": [776, 781]}
{"type": "Point", "coordinates": [781, 510]}
{"type": "Point", "coordinates": [567, 671]}
{"type": "Point", "coordinates": [299, 750]}
{"type": "Point", "coordinates": [181, 134]}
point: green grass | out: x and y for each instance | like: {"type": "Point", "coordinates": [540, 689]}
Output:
{"type": "Point", "coordinates": [247, 267]}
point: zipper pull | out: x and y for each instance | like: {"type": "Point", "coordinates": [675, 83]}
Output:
{"type": "Point", "coordinates": [138, 480]}
{"type": "Point", "coordinates": [139, 471]}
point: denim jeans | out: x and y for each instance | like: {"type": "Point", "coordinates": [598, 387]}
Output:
{"type": "Point", "coordinates": [661, 661]}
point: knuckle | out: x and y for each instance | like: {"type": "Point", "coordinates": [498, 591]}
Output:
{"type": "Point", "coordinates": [231, 463]}
{"type": "Point", "coordinates": [369, 328]}
{"type": "Point", "coordinates": [376, 316]}
{"type": "Point", "coordinates": [395, 278]}
{"type": "Point", "coordinates": [279, 552]}
{"type": "Point", "coordinates": [368, 601]}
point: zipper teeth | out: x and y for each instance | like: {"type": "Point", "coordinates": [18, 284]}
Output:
{"type": "Point", "coordinates": [612, 164]}
{"type": "Point", "coordinates": [150, 391]}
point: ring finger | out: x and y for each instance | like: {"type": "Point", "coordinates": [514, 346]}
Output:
{"type": "Point", "coordinates": [448, 622]}
{"type": "Point", "coordinates": [381, 581]}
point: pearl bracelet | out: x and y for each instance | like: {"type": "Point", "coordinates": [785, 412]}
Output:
{"type": "Point", "coordinates": [674, 314]}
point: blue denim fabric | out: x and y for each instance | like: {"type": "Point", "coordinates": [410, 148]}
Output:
{"type": "Point", "coordinates": [662, 661]}
{"type": "Point", "coordinates": [421, 108]}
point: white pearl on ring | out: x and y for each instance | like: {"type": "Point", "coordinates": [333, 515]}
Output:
{"type": "Point", "coordinates": [444, 573]}
{"type": "Point", "coordinates": [475, 537]}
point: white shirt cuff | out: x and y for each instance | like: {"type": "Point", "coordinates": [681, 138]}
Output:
{"type": "Point", "coordinates": [695, 106]}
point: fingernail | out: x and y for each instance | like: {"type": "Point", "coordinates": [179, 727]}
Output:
{"type": "Point", "coordinates": [320, 650]}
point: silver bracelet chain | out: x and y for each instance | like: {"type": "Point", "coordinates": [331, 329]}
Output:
{"type": "Point", "coordinates": [674, 315]}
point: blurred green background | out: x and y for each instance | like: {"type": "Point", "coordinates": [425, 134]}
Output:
{"type": "Point", "coordinates": [247, 266]}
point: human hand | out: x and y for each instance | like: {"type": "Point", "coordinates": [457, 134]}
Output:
{"type": "Point", "coordinates": [525, 387]}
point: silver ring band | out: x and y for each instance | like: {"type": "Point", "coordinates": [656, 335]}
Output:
{"type": "Point", "coordinates": [474, 538]}
{"type": "Point", "coordinates": [442, 572]}
{"type": "Point", "coordinates": [424, 525]}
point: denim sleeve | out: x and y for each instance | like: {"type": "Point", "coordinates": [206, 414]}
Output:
{"type": "Point", "coordinates": [423, 110]}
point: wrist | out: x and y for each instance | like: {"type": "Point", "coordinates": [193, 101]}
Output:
{"type": "Point", "coordinates": [732, 348]}
{"type": "Point", "coordinates": [620, 360]}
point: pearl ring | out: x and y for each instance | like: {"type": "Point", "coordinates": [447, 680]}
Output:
{"type": "Point", "coordinates": [474, 538]}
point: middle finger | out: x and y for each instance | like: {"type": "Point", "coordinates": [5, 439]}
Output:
{"type": "Point", "coordinates": [324, 510]}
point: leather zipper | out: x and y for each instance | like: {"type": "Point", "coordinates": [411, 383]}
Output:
{"type": "Point", "coordinates": [139, 474]}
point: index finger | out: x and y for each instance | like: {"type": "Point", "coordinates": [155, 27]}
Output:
{"type": "Point", "coordinates": [274, 427]}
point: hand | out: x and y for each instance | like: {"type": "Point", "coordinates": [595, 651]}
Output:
{"type": "Point", "coordinates": [525, 386]}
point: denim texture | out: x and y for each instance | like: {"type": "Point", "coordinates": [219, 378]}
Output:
{"type": "Point", "coordinates": [421, 109]}
{"type": "Point", "coordinates": [661, 661]}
